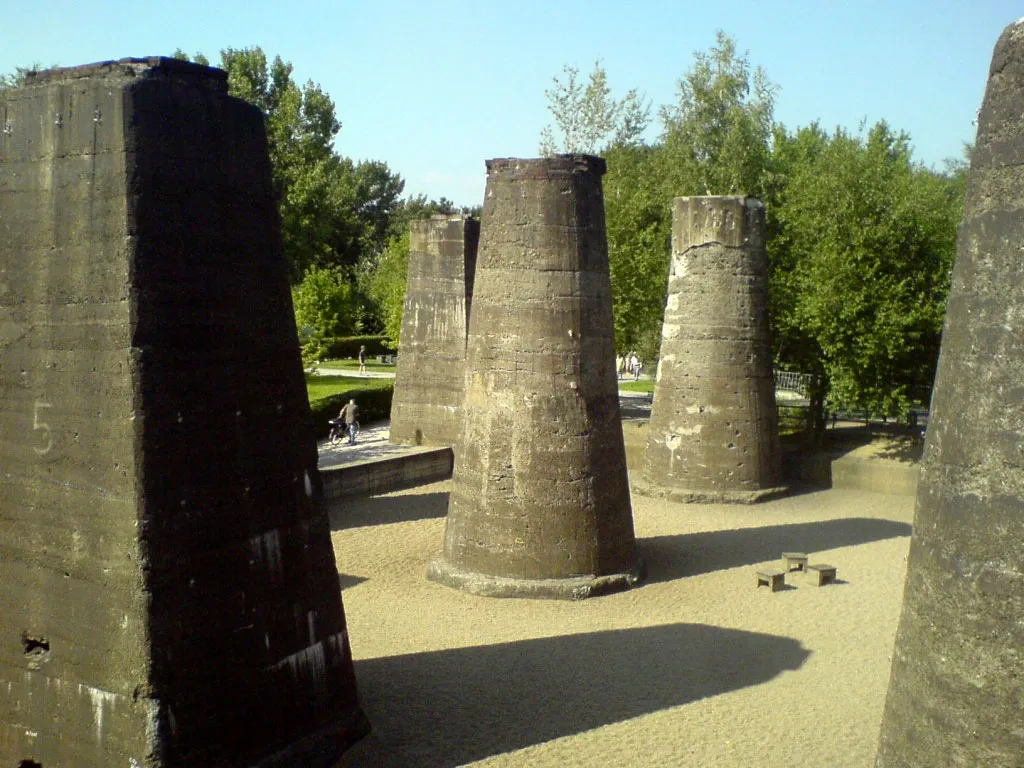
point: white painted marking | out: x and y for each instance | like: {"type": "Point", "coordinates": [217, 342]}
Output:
{"type": "Point", "coordinates": [99, 699]}
{"type": "Point", "coordinates": [41, 426]}
{"type": "Point", "coordinates": [309, 662]}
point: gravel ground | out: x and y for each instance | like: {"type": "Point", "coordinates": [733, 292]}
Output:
{"type": "Point", "coordinates": [697, 667]}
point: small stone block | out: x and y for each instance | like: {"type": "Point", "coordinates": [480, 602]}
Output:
{"type": "Point", "coordinates": [771, 578]}
{"type": "Point", "coordinates": [794, 561]}
{"type": "Point", "coordinates": [821, 574]}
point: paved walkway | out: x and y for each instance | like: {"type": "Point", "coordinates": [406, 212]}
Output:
{"type": "Point", "coordinates": [373, 443]}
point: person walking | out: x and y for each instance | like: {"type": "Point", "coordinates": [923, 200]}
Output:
{"type": "Point", "coordinates": [350, 415]}
{"type": "Point", "coordinates": [362, 359]}
{"type": "Point", "coordinates": [634, 366]}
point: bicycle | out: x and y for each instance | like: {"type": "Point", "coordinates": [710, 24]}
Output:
{"type": "Point", "coordinates": [337, 432]}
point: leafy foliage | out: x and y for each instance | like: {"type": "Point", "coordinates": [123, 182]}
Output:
{"type": "Point", "coordinates": [587, 116]}
{"type": "Point", "coordinates": [334, 212]}
{"type": "Point", "coordinates": [716, 137]}
{"type": "Point", "coordinates": [638, 226]}
{"type": "Point", "coordinates": [16, 79]}
{"type": "Point", "coordinates": [324, 307]}
{"type": "Point", "coordinates": [387, 286]}
{"type": "Point", "coordinates": [862, 255]}
{"type": "Point", "coordinates": [860, 239]}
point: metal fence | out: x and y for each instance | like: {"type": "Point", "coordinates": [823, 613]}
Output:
{"type": "Point", "coordinates": [793, 382]}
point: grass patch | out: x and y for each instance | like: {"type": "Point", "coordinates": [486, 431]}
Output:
{"type": "Point", "coordinates": [319, 387]}
{"type": "Point", "coordinates": [792, 420]}
{"type": "Point", "coordinates": [642, 385]}
{"type": "Point", "coordinates": [327, 394]}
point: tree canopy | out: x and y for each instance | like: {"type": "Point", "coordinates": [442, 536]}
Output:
{"type": "Point", "coordinates": [589, 120]}
{"type": "Point", "coordinates": [860, 238]}
{"type": "Point", "coordinates": [337, 216]}
{"type": "Point", "coordinates": [862, 254]}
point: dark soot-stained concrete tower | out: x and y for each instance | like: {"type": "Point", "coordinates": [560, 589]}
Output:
{"type": "Point", "coordinates": [539, 505]}
{"type": "Point", "coordinates": [714, 431]}
{"type": "Point", "coordinates": [431, 367]}
{"type": "Point", "coordinates": [956, 691]}
{"type": "Point", "coordinates": [168, 591]}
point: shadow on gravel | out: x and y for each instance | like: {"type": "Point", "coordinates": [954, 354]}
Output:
{"type": "Point", "coordinates": [447, 708]}
{"type": "Point", "coordinates": [674, 557]}
{"type": "Point", "coordinates": [347, 581]}
{"type": "Point", "coordinates": [359, 512]}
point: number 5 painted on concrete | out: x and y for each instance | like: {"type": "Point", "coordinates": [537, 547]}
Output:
{"type": "Point", "coordinates": [38, 425]}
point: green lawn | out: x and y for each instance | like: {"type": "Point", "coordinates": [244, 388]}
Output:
{"type": "Point", "coordinates": [643, 385]}
{"type": "Point", "coordinates": [319, 387]}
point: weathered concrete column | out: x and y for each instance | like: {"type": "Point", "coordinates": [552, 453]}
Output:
{"type": "Point", "coordinates": [956, 691]}
{"type": "Point", "coordinates": [714, 431]}
{"type": "Point", "coordinates": [429, 382]}
{"type": "Point", "coordinates": [168, 591]}
{"type": "Point", "coordinates": [539, 505]}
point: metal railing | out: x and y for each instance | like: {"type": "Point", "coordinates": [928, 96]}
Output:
{"type": "Point", "coordinates": [793, 382]}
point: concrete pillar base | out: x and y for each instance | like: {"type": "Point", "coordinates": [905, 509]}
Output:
{"type": "Point", "coordinates": [711, 496]}
{"type": "Point", "coordinates": [574, 588]}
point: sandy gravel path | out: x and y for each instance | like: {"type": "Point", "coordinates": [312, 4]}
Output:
{"type": "Point", "coordinates": [695, 668]}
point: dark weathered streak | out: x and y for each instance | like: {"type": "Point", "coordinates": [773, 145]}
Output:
{"type": "Point", "coordinates": [168, 591]}
{"type": "Point", "coordinates": [714, 433]}
{"type": "Point", "coordinates": [432, 362]}
{"type": "Point", "coordinates": [540, 502]}
{"type": "Point", "coordinates": [956, 691]}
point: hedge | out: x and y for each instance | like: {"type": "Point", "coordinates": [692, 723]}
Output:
{"type": "Point", "coordinates": [374, 405]}
{"type": "Point", "coordinates": [341, 347]}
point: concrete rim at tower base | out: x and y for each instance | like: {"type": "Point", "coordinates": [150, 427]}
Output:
{"type": "Point", "coordinates": [574, 588]}
{"type": "Point", "coordinates": [322, 748]}
{"type": "Point", "coordinates": [694, 496]}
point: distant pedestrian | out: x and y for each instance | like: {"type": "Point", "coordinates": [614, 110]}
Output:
{"type": "Point", "coordinates": [362, 359]}
{"type": "Point", "coordinates": [350, 415]}
{"type": "Point", "coordinates": [634, 366]}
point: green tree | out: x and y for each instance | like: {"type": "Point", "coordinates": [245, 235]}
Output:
{"type": "Point", "coordinates": [638, 227]}
{"type": "Point", "coordinates": [861, 256]}
{"type": "Point", "coordinates": [325, 306]}
{"type": "Point", "coordinates": [387, 286]}
{"type": "Point", "coordinates": [378, 192]}
{"type": "Point", "coordinates": [199, 58]}
{"type": "Point", "coordinates": [16, 79]}
{"type": "Point", "coordinates": [716, 139]}
{"type": "Point", "coordinates": [717, 135]}
{"type": "Point", "coordinates": [588, 118]}
{"type": "Point", "coordinates": [334, 212]}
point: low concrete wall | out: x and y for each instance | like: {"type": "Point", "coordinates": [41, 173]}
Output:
{"type": "Point", "coordinates": [879, 475]}
{"type": "Point", "coordinates": [861, 469]}
{"type": "Point", "coordinates": [382, 475]}
{"type": "Point", "coordinates": [849, 471]}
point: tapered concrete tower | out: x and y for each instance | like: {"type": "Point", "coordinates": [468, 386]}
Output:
{"type": "Point", "coordinates": [426, 409]}
{"type": "Point", "coordinates": [539, 504]}
{"type": "Point", "coordinates": [714, 431]}
{"type": "Point", "coordinates": [956, 691]}
{"type": "Point", "coordinates": [168, 591]}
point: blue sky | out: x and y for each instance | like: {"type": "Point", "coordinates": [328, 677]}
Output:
{"type": "Point", "coordinates": [435, 88]}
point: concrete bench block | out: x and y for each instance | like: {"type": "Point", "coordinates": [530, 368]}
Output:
{"type": "Point", "coordinates": [820, 574]}
{"type": "Point", "coordinates": [772, 578]}
{"type": "Point", "coordinates": [794, 561]}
